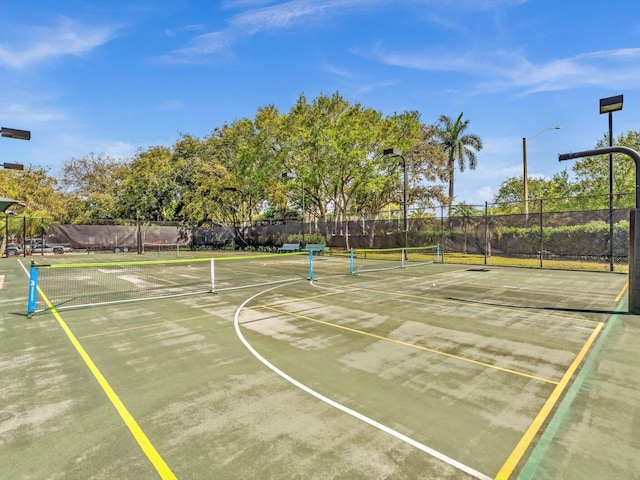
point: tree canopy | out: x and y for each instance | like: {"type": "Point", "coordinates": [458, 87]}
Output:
{"type": "Point", "coordinates": [332, 152]}
{"type": "Point", "coordinates": [334, 148]}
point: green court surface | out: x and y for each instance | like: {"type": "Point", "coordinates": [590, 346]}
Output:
{"type": "Point", "coordinates": [439, 371]}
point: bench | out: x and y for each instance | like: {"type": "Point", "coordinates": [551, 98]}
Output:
{"type": "Point", "coordinates": [289, 247]}
{"type": "Point", "coordinates": [315, 248]}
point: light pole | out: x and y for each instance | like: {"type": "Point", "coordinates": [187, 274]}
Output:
{"type": "Point", "coordinates": [397, 153]}
{"type": "Point", "coordinates": [6, 231]}
{"type": "Point", "coordinates": [634, 233]}
{"type": "Point", "coordinates": [293, 175]}
{"type": "Point", "coordinates": [610, 105]}
{"type": "Point", "coordinates": [525, 179]}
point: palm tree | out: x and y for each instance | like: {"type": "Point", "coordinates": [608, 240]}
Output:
{"type": "Point", "coordinates": [458, 146]}
{"type": "Point", "coordinates": [467, 212]}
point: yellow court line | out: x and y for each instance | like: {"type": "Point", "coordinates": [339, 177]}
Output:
{"type": "Point", "coordinates": [154, 277]}
{"type": "Point", "coordinates": [624, 289]}
{"type": "Point", "coordinates": [139, 327]}
{"type": "Point", "coordinates": [143, 441]}
{"type": "Point", "coordinates": [412, 345]}
{"type": "Point", "coordinates": [529, 435]}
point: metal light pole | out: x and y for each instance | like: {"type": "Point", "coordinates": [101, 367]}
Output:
{"type": "Point", "coordinates": [524, 167]}
{"type": "Point", "coordinates": [397, 153]}
{"type": "Point", "coordinates": [610, 105]}
{"type": "Point", "coordinates": [6, 231]}
{"type": "Point", "coordinates": [293, 175]}
{"type": "Point", "coordinates": [634, 233]}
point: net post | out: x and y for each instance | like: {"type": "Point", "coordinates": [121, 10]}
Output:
{"type": "Point", "coordinates": [352, 255]}
{"type": "Point", "coordinates": [438, 253]}
{"type": "Point", "coordinates": [402, 258]}
{"type": "Point", "coordinates": [33, 289]}
{"type": "Point", "coordinates": [310, 264]}
{"type": "Point", "coordinates": [213, 276]}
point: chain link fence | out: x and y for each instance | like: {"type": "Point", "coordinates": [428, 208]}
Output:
{"type": "Point", "coordinates": [569, 232]}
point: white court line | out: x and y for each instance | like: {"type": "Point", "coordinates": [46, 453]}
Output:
{"type": "Point", "coordinates": [347, 410]}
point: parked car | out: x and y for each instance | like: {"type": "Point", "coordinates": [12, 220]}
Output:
{"type": "Point", "coordinates": [38, 246]}
{"type": "Point", "coordinates": [14, 249]}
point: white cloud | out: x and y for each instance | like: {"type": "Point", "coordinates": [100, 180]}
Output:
{"type": "Point", "coordinates": [172, 32]}
{"type": "Point", "coordinates": [67, 146]}
{"type": "Point", "coordinates": [21, 114]}
{"type": "Point", "coordinates": [512, 70]}
{"type": "Point", "coordinates": [277, 17]}
{"type": "Point", "coordinates": [66, 38]}
{"type": "Point", "coordinates": [481, 195]}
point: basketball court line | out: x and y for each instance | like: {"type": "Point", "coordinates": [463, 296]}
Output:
{"type": "Point", "coordinates": [411, 345]}
{"type": "Point", "coordinates": [430, 451]}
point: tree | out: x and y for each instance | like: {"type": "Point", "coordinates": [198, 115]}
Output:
{"type": "Point", "coordinates": [92, 185]}
{"type": "Point", "coordinates": [37, 189]}
{"type": "Point", "coordinates": [467, 212]}
{"type": "Point", "coordinates": [510, 195]}
{"type": "Point", "coordinates": [148, 187]}
{"type": "Point", "coordinates": [458, 146]}
{"type": "Point", "coordinates": [592, 173]}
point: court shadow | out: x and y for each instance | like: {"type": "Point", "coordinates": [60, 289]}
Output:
{"type": "Point", "coordinates": [553, 309]}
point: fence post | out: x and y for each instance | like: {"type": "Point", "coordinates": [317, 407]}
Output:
{"type": "Point", "coordinates": [442, 230]}
{"type": "Point", "coordinates": [486, 230]}
{"type": "Point", "coordinates": [541, 234]}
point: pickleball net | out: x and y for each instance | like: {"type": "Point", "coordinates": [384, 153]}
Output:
{"type": "Point", "coordinates": [370, 259]}
{"type": "Point", "coordinates": [74, 285]}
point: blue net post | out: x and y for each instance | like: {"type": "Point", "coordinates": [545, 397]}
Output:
{"type": "Point", "coordinates": [352, 258]}
{"type": "Point", "coordinates": [33, 290]}
{"type": "Point", "coordinates": [311, 265]}
{"type": "Point", "coordinates": [438, 253]}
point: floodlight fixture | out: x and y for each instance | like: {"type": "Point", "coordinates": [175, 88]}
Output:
{"type": "Point", "coordinates": [392, 151]}
{"type": "Point", "coordinates": [13, 166]}
{"type": "Point", "coordinates": [15, 133]}
{"type": "Point", "coordinates": [611, 104]}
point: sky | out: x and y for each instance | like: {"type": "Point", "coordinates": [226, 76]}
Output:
{"type": "Point", "coordinates": [95, 77]}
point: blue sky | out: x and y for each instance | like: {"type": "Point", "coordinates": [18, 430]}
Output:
{"type": "Point", "coordinates": [113, 77]}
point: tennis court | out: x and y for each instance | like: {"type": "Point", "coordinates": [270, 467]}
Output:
{"type": "Point", "coordinates": [429, 371]}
